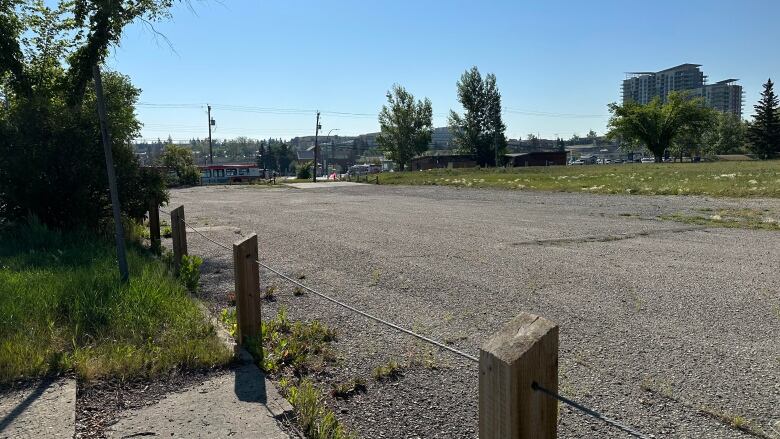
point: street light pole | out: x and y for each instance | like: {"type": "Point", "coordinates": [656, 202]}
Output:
{"type": "Point", "coordinates": [332, 149]}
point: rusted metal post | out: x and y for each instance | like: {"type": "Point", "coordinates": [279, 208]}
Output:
{"type": "Point", "coordinates": [522, 353]}
{"type": "Point", "coordinates": [247, 282]}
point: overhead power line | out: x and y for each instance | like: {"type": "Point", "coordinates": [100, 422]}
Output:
{"type": "Point", "coordinates": [304, 111]}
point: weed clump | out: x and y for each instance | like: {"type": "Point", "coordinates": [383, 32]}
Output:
{"type": "Point", "coordinates": [390, 371]}
{"type": "Point", "coordinates": [314, 417]}
{"type": "Point", "coordinates": [299, 347]}
{"type": "Point", "coordinates": [348, 388]}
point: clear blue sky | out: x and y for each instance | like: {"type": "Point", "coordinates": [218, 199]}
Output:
{"type": "Point", "coordinates": [566, 58]}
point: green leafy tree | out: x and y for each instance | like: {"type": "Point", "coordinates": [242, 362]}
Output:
{"type": "Point", "coordinates": [657, 125]}
{"type": "Point", "coordinates": [406, 126]}
{"type": "Point", "coordinates": [178, 159]}
{"type": "Point", "coordinates": [480, 131]}
{"type": "Point", "coordinates": [764, 132]}
{"type": "Point", "coordinates": [727, 135]}
{"type": "Point", "coordinates": [51, 155]}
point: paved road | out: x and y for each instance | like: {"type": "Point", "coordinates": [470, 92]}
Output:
{"type": "Point", "coordinates": [692, 313]}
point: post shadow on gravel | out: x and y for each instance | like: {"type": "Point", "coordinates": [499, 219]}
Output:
{"type": "Point", "coordinates": [8, 418]}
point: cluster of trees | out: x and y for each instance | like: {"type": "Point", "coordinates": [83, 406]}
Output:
{"type": "Point", "coordinates": [275, 155]}
{"type": "Point", "coordinates": [51, 157]}
{"type": "Point", "coordinates": [180, 162]}
{"type": "Point", "coordinates": [684, 126]}
{"type": "Point", "coordinates": [406, 125]}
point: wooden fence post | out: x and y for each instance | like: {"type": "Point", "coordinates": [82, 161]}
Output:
{"type": "Point", "coordinates": [179, 236]}
{"type": "Point", "coordinates": [154, 226]}
{"type": "Point", "coordinates": [247, 279]}
{"type": "Point", "coordinates": [521, 353]}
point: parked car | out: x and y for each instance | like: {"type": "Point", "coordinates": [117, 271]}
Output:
{"type": "Point", "coordinates": [577, 162]}
{"type": "Point", "coordinates": [648, 160]}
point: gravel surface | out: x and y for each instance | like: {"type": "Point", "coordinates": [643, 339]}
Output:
{"type": "Point", "coordinates": [660, 322]}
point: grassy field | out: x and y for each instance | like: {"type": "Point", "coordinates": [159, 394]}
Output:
{"type": "Point", "coordinates": [63, 308]}
{"type": "Point", "coordinates": [718, 179]}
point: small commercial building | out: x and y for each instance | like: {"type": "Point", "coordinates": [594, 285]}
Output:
{"type": "Point", "coordinates": [538, 158]}
{"type": "Point", "coordinates": [437, 161]}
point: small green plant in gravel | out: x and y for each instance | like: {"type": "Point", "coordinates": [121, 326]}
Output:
{"type": "Point", "coordinates": [270, 293]}
{"type": "Point", "coordinates": [314, 417]}
{"type": "Point", "coordinates": [298, 291]}
{"type": "Point", "coordinates": [348, 388]}
{"type": "Point", "coordinates": [189, 272]}
{"type": "Point", "coordinates": [426, 360]}
{"type": "Point", "coordinates": [391, 370]}
{"type": "Point", "coordinates": [166, 232]}
{"type": "Point", "coordinates": [297, 346]}
{"type": "Point", "coordinates": [375, 277]}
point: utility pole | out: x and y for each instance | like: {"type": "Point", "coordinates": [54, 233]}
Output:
{"type": "Point", "coordinates": [211, 122]}
{"type": "Point", "coordinates": [316, 148]}
{"type": "Point", "coordinates": [124, 273]}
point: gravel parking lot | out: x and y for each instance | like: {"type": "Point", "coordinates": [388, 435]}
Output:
{"type": "Point", "coordinates": [668, 327]}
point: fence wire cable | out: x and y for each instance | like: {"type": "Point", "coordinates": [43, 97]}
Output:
{"type": "Point", "coordinates": [342, 304]}
{"type": "Point", "coordinates": [534, 386]}
{"type": "Point", "coordinates": [590, 412]}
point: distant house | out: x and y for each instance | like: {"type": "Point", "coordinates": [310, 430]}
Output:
{"type": "Point", "coordinates": [539, 158]}
{"type": "Point", "coordinates": [443, 160]}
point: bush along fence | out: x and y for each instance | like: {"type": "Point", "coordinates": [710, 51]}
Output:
{"type": "Point", "coordinates": [518, 365]}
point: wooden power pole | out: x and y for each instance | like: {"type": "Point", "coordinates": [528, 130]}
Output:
{"type": "Point", "coordinates": [118, 232]}
{"type": "Point", "coordinates": [316, 148]}
{"type": "Point", "coordinates": [211, 122]}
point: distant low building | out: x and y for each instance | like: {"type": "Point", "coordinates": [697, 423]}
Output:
{"type": "Point", "coordinates": [442, 160]}
{"type": "Point", "coordinates": [537, 158]}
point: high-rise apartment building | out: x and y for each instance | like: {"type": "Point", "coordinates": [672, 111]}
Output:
{"type": "Point", "coordinates": [642, 87]}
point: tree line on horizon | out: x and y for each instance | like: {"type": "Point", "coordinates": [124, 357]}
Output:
{"type": "Point", "coordinates": [680, 126]}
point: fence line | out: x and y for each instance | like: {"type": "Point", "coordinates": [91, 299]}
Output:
{"type": "Point", "coordinates": [590, 412]}
{"type": "Point", "coordinates": [534, 385]}
{"type": "Point", "coordinates": [342, 304]}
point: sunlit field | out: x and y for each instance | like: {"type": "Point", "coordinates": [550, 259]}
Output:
{"type": "Point", "coordinates": [718, 179]}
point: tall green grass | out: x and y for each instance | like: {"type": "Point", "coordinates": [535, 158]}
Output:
{"type": "Point", "coordinates": [63, 307]}
{"type": "Point", "coordinates": [718, 179]}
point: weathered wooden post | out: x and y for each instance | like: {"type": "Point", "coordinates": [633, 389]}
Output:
{"type": "Point", "coordinates": [179, 237]}
{"type": "Point", "coordinates": [247, 279]}
{"type": "Point", "coordinates": [154, 226]}
{"type": "Point", "coordinates": [522, 353]}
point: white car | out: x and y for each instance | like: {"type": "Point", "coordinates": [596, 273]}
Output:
{"type": "Point", "coordinates": [648, 160]}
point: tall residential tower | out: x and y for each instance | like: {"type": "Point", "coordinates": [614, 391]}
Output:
{"type": "Point", "coordinates": [642, 87]}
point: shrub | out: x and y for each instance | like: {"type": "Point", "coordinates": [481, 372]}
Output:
{"type": "Point", "coordinates": [51, 157]}
{"type": "Point", "coordinates": [304, 171]}
{"type": "Point", "coordinates": [189, 272]}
